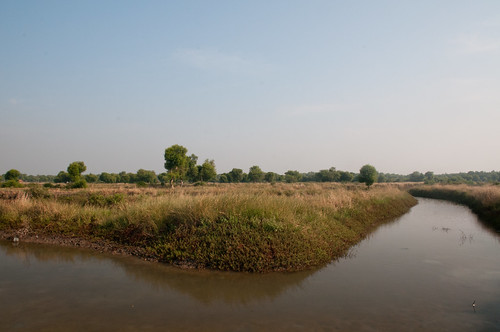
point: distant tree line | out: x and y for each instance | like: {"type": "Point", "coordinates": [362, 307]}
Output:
{"type": "Point", "coordinates": [183, 168]}
{"type": "Point", "coordinates": [255, 174]}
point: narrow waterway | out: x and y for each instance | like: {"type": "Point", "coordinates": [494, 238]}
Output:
{"type": "Point", "coordinates": [421, 272]}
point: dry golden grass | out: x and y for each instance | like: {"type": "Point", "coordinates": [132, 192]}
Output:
{"type": "Point", "coordinates": [486, 194]}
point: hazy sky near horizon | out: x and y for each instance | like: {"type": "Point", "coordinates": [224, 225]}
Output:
{"type": "Point", "coordinates": [286, 85]}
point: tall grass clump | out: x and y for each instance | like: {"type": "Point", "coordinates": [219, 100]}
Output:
{"type": "Point", "coordinates": [239, 227]}
{"type": "Point", "coordinates": [482, 200]}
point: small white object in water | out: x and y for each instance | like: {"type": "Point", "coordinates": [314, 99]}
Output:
{"type": "Point", "coordinates": [15, 239]}
{"type": "Point", "coordinates": [474, 303]}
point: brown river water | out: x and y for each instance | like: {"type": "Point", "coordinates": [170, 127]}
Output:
{"type": "Point", "coordinates": [421, 272]}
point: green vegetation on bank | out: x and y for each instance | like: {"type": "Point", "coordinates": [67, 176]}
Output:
{"type": "Point", "coordinates": [239, 227]}
{"type": "Point", "coordinates": [482, 200]}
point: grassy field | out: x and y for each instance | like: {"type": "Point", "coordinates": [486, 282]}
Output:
{"type": "Point", "coordinates": [483, 200]}
{"type": "Point", "coordinates": [240, 227]}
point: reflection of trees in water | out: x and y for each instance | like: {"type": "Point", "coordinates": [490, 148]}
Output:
{"type": "Point", "coordinates": [211, 286]}
{"type": "Point", "coordinates": [204, 286]}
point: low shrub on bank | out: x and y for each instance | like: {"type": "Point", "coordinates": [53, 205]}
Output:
{"type": "Point", "coordinates": [245, 227]}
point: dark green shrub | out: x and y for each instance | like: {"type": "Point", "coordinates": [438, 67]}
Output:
{"type": "Point", "coordinates": [12, 184]}
{"type": "Point", "coordinates": [78, 184]}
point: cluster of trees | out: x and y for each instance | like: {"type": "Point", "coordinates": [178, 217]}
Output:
{"type": "Point", "coordinates": [328, 175]}
{"type": "Point", "coordinates": [181, 167]}
{"type": "Point", "coordinates": [256, 174]}
{"type": "Point", "coordinates": [142, 176]}
{"type": "Point", "coordinates": [413, 177]}
{"type": "Point", "coordinates": [105, 177]}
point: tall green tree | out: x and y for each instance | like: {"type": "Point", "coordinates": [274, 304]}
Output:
{"type": "Point", "coordinates": [91, 178]}
{"type": "Point", "coordinates": [208, 172]}
{"type": "Point", "coordinates": [429, 177]}
{"type": "Point", "coordinates": [224, 178]}
{"type": "Point", "coordinates": [236, 175]}
{"type": "Point", "coordinates": [12, 178]}
{"type": "Point", "coordinates": [108, 177]}
{"type": "Point", "coordinates": [255, 174]}
{"type": "Point", "coordinates": [345, 176]}
{"type": "Point", "coordinates": [328, 175]}
{"type": "Point", "coordinates": [123, 177]}
{"type": "Point", "coordinates": [192, 169]}
{"type": "Point", "coordinates": [292, 176]}
{"type": "Point", "coordinates": [270, 177]}
{"type": "Point", "coordinates": [368, 175]}
{"type": "Point", "coordinates": [12, 175]}
{"type": "Point", "coordinates": [416, 177]}
{"type": "Point", "coordinates": [176, 161]}
{"type": "Point", "coordinates": [147, 176]}
{"type": "Point", "coordinates": [75, 170]}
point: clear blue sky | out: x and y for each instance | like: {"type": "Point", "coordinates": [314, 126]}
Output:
{"type": "Point", "coordinates": [300, 85]}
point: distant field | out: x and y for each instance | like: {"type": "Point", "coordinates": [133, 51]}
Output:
{"type": "Point", "coordinates": [241, 227]}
